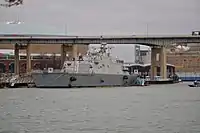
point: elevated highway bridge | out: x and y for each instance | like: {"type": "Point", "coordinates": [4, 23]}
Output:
{"type": "Point", "coordinates": [158, 44]}
{"type": "Point", "coordinates": [55, 39]}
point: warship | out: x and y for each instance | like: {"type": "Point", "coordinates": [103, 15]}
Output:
{"type": "Point", "coordinates": [96, 69]}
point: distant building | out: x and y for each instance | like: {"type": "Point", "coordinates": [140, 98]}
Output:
{"type": "Point", "coordinates": [142, 56]}
{"type": "Point", "coordinates": [186, 61]}
{"type": "Point", "coordinates": [146, 69]}
{"type": "Point", "coordinates": [143, 63]}
{"type": "Point", "coordinates": [145, 56]}
{"type": "Point", "coordinates": [42, 56]}
{"type": "Point", "coordinates": [137, 54]}
{"type": "Point", "coordinates": [48, 48]}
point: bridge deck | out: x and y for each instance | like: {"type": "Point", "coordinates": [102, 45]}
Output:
{"type": "Point", "coordinates": [143, 40]}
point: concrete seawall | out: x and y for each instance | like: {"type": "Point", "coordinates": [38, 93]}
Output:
{"type": "Point", "coordinates": [188, 76]}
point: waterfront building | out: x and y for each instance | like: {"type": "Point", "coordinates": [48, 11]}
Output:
{"type": "Point", "coordinates": [186, 60]}
{"type": "Point", "coordinates": [145, 69]}
{"type": "Point", "coordinates": [42, 56]}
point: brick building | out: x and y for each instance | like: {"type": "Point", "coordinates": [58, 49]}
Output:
{"type": "Point", "coordinates": [38, 61]}
{"type": "Point", "coordinates": [186, 61]}
{"type": "Point", "coordinates": [47, 48]}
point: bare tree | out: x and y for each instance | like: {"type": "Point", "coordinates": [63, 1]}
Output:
{"type": "Point", "coordinates": [10, 3]}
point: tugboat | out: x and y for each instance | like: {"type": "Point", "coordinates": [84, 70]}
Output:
{"type": "Point", "coordinates": [195, 84]}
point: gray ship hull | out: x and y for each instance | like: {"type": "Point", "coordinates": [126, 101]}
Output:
{"type": "Point", "coordinates": [47, 80]}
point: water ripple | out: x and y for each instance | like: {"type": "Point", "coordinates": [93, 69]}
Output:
{"type": "Point", "coordinates": [152, 109]}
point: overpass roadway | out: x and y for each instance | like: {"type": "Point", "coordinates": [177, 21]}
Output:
{"type": "Point", "coordinates": [158, 44]}
{"type": "Point", "coordinates": [56, 39]}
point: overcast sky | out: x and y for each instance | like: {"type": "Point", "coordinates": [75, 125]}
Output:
{"type": "Point", "coordinates": [103, 17]}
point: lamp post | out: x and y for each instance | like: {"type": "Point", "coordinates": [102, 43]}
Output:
{"type": "Point", "coordinates": [11, 3]}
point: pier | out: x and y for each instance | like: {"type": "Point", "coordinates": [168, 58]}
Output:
{"type": "Point", "coordinates": [12, 80]}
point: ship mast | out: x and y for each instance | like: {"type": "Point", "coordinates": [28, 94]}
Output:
{"type": "Point", "coordinates": [103, 48]}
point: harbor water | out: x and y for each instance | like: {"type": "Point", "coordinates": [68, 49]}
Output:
{"type": "Point", "coordinates": [152, 109]}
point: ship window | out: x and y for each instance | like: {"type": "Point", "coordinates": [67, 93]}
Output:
{"type": "Point", "coordinates": [69, 64]}
{"type": "Point", "coordinates": [22, 57]}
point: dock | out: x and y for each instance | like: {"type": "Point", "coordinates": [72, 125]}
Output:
{"type": "Point", "coordinates": [162, 81]}
{"type": "Point", "coordinates": [14, 81]}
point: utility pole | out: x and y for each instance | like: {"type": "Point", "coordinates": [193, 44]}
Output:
{"type": "Point", "coordinates": [147, 29]}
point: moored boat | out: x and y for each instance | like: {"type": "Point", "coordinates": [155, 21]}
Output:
{"type": "Point", "coordinates": [97, 68]}
{"type": "Point", "coordinates": [195, 84]}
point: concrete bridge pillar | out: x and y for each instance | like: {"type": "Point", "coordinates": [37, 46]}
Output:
{"type": "Point", "coordinates": [158, 59]}
{"type": "Point", "coordinates": [63, 54]}
{"type": "Point", "coordinates": [154, 53]}
{"type": "Point", "coordinates": [163, 63]}
{"type": "Point", "coordinates": [74, 51]}
{"type": "Point", "coordinates": [68, 48]}
{"type": "Point", "coordinates": [16, 52]}
{"type": "Point", "coordinates": [28, 59]}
